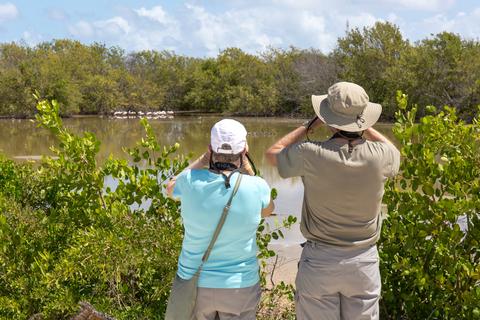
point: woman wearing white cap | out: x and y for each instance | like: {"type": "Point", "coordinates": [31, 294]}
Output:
{"type": "Point", "coordinates": [228, 283]}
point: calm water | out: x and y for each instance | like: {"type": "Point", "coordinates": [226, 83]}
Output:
{"type": "Point", "coordinates": [22, 138]}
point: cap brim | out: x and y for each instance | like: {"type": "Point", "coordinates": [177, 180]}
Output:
{"type": "Point", "coordinates": [321, 106]}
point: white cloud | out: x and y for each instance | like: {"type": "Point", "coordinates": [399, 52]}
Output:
{"type": "Point", "coordinates": [57, 14]}
{"type": "Point", "coordinates": [200, 30]}
{"type": "Point", "coordinates": [318, 23]}
{"type": "Point", "coordinates": [464, 23]}
{"type": "Point", "coordinates": [206, 32]}
{"type": "Point", "coordinates": [325, 29]}
{"type": "Point", "coordinates": [137, 29]}
{"type": "Point", "coordinates": [82, 29]}
{"type": "Point", "coordinates": [467, 24]}
{"type": "Point", "coordinates": [316, 27]}
{"type": "Point", "coordinates": [210, 30]}
{"type": "Point", "coordinates": [245, 29]}
{"type": "Point", "coordinates": [297, 3]}
{"type": "Point", "coordinates": [116, 26]}
{"type": "Point", "coordinates": [156, 14]}
{"type": "Point", "coordinates": [429, 5]}
{"type": "Point", "coordinates": [476, 12]}
{"type": "Point", "coordinates": [155, 29]}
{"type": "Point", "coordinates": [8, 11]}
{"type": "Point", "coordinates": [113, 26]}
{"type": "Point", "coordinates": [438, 22]}
{"type": "Point", "coordinates": [361, 20]}
{"type": "Point", "coordinates": [31, 39]}
{"type": "Point", "coordinates": [392, 17]}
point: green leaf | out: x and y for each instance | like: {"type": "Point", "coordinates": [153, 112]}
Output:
{"type": "Point", "coordinates": [273, 193]}
{"type": "Point", "coordinates": [428, 189]}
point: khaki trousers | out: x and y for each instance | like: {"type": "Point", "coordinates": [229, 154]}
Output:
{"type": "Point", "coordinates": [337, 283]}
{"type": "Point", "coordinates": [227, 304]}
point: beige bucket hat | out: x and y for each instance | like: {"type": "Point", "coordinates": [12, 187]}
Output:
{"type": "Point", "coordinates": [346, 107]}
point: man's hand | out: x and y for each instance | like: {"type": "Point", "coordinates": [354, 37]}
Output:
{"type": "Point", "coordinates": [373, 135]}
{"type": "Point", "coordinates": [268, 210]}
{"type": "Point", "coordinates": [292, 137]}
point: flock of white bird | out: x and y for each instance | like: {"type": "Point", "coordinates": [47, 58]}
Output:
{"type": "Point", "coordinates": [141, 114]}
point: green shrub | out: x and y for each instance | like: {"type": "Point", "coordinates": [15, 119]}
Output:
{"type": "Point", "coordinates": [430, 242]}
{"type": "Point", "coordinates": [66, 238]}
{"type": "Point", "coordinates": [277, 298]}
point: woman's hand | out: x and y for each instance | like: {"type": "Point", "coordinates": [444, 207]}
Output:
{"type": "Point", "coordinates": [246, 166]}
{"type": "Point", "coordinates": [205, 159]}
{"type": "Point", "coordinates": [202, 161]}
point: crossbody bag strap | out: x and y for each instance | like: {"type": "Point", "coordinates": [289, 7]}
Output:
{"type": "Point", "coordinates": [221, 222]}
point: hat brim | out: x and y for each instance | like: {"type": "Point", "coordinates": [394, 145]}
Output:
{"type": "Point", "coordinates": [321, 106]}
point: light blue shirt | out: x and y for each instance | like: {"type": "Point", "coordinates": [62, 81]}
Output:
{"type": "Point", "coordinates": [232, 262]}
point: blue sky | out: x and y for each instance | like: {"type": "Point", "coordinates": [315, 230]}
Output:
{"type": "Point", "coordinates": [203, 28]}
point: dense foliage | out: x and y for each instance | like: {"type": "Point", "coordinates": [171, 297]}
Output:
{"type": "Point", "coordinates": [94, 79]}
{"type": "Point", "coordinates": [430, 250]}
{"type": "Point", "coordinates": [64, 238]}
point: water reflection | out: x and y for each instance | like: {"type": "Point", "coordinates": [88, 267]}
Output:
{"type": "Point", "coordinates": [24, 138]}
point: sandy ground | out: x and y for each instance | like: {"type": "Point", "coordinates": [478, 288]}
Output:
{"type": "Point", "coordinates": [287, 263]}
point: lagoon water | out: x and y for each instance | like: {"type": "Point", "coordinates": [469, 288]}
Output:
{"type": "Point", "coordinates": [22, 139]}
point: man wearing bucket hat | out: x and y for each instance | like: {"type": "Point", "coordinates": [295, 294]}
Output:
{"type": "Point", "coordinates": [228, 285]}
{"type": "Point", "coordinates": [343, 178]}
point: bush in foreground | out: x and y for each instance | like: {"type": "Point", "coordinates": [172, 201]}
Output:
{"type": "Point", "coordinates": [65, 238]}
{"type": "Point", "coordinates": [430, 249]}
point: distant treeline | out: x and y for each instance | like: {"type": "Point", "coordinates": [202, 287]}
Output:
{"type": "Point", "coordinates": [94, 79]}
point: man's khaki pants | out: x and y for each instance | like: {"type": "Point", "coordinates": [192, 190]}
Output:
{"type": "Point", "coordinates": [227, 304]}
{"type": "Point", "coordinates": [337, 283]}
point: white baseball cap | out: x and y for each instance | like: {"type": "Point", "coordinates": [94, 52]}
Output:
{"type": "Point", "coordinates": [228, 136]}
